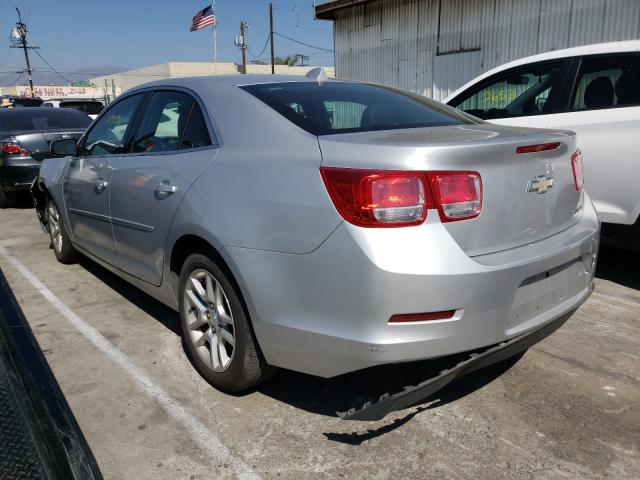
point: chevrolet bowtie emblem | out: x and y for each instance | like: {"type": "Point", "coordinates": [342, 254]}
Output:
{"type": "Point", "coordinates": [541, 183]}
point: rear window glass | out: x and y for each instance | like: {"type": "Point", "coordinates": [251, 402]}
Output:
{"type": "Point", "coordinates": [42, 119]}
{"type": "Point", "coordinates": [342, 107]}
{"type": "Point", "coordinates": [90, 108]}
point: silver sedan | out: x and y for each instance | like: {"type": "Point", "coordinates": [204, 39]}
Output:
{"type": "Point", "coordinates": [324, 226]}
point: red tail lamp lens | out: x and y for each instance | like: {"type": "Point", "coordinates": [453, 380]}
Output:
{"type": "Point", "coordinates": [578, 173]}
{"type": "Point", "coordinates": [458, 193]}
{"type": "Point", "coordinates": [377, 198]}
{"type": "Point", "coordinates": [422, 317]}
{"type": "Point", "coordinates": [13, 149]}
{"type": "Point", "coordinates": [387, 198]}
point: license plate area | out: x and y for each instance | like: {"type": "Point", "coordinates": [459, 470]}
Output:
{"type": "Point", "coordinates": [543, 291]}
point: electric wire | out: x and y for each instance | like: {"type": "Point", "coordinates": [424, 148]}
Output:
{"type": "Point", "coordinates": [54, 70]}
{"type": "Point", "coordinates": [302, 43]}
{"type": "Point", "coordinates": [262, 51]}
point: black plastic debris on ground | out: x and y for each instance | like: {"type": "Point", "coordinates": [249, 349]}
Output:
{"type": "Point", "coordinates": [39, 436]}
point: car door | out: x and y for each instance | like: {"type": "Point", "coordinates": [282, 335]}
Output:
{"type": "Point", "coordinates": [172, 146]}
{"type": "Point", "coordinates": [525, 95]}
{"type": "Point", "coordinates": [86, 182]}
{"type": "Point", "coordinates": [604, 110]}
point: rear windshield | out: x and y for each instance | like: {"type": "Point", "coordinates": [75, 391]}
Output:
{"type": "Point", "coordinates": [343, 107]}
{"type": "Point", "coordinates": [26, 102]}
{"type": "Point", "coordinates": [90, 108]}
{"type": "Point", "coordinates": [42, 119]}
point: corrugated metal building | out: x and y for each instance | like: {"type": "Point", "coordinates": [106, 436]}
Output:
{"type": "Point", "coordinates": [434, 46]}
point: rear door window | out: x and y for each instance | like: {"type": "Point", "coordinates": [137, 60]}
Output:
{"type": "Point", "coordinates": [195, 134]}
{"type": "Point", "coordinates": [606, 82]}
{"type": "Point", "coordinates": [164, 122]}
{"type": "Point", "coordinates": [325, 108]}
{"type": "Point", "coordinates": [518, 92]}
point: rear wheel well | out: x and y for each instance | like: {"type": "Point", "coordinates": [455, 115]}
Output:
{"type": "Point", "coordinates": [188, 244]}
{"type": "Point", "coordinates": [185, 246]}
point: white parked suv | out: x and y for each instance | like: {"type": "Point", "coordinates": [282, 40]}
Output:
{"type": "Point", "coordinates": [593, 90]}
{"type": "Point", "coordinates": [89, 106]}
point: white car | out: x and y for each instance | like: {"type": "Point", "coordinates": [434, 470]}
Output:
{"type": "Point", "coordinates": [89, 106]}
{"type": "Point", "coordinates": [593, 90]}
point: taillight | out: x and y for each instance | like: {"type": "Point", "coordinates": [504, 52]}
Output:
{"type": "Point", "coordinates": [13, 149]}
{"type": "Point", "coordinates": [459, 194]}
{"type": "Point", "coordinates": [387, 198]}
{"type": "Point", "coordinates": [576, 166]}
{"type": "Point", "coordinates": [375, 198]}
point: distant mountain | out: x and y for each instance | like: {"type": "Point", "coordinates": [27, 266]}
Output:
{"type": "Point", "coordinates": [50, 78]}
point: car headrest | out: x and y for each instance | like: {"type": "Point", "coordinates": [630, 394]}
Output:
{"type": "Point", "coordinates": [628, 88]}
{"type": "Point", "coordinates": [599, 93]}
{"type": "Point", "coordinates": [378, 114]}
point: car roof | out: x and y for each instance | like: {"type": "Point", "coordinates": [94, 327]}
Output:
{"type": "Point", "coordinates": [237, 80]}
{"type": "Point", "coordinates": [594, 49]}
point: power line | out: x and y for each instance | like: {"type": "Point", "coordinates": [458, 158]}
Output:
{"type": "Point", "coordinates": [302, 43]}
{"type": "Point", "coordinates": [49, 65]}
{"type": "Point", "coordinates": [16, 80]}
{"type": "Point", "coordinates": [261, 51]}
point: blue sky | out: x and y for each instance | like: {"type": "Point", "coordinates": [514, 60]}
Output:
{"type": "Point", "coordinates": [75, 34]}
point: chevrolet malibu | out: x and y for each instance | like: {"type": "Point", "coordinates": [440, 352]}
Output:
{"type": "Point", "coordinates": [324, 226]}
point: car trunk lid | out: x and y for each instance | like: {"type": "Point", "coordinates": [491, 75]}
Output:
{"type": "Point", "coordinates": [38, 144]}
{"type": "Point", "coordinates": [514, 212]}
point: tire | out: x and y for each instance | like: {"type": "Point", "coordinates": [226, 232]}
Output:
{"type": "Point", "coordinates": [213, 314]}
{"type": "Point", "coordinates": [6, 199]}
{"type": "Point", "coordinates": [60, 242]}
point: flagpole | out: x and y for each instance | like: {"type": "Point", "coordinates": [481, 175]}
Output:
{"type": "Point", "coordinates": [215, 45]}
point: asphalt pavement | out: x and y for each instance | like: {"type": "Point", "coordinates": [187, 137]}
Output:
{"type": "Point", "coordinates": [568, 408]}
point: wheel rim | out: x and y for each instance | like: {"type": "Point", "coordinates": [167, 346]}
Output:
{"type": "Point", "coordinates": [54, 227]}
{"type": "Point", "coordinates": [209, 320]}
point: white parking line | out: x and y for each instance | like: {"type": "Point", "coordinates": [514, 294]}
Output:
{"type": "Point", "coordinates": [201, 434]}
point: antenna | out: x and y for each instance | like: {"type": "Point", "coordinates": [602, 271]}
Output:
{"type": "Point", "coordinates": [317, 73]}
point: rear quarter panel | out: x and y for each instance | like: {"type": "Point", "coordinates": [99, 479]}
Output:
{"type": "Point", "coordinates": [263, 190]}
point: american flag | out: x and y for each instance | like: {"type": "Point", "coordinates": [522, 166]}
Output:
{"type": "Point", "coordinates": [203, 18]}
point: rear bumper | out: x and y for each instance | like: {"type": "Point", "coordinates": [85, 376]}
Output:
{"type": "Point", "coordinates": [476, 360]}
{"type": "Point", "coordinates": [326, 313]}
{"type": "Point", "coordinates": [18, 174]}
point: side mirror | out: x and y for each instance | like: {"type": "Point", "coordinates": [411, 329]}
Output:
{"type": "Point", "coordinates": [64, 148]}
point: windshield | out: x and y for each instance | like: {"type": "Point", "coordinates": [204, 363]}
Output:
{"type": "Point", "coordinates": [90, 108]}
{"type": "Point", "coordinates": [343, 107]}
{"type": "Point", "coordinates": [42, 119]}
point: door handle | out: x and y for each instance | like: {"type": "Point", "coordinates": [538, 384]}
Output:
{"type": "Point", "coordinates": [101, 185]}
{"type": "Point", "coordinates": [165, 188]}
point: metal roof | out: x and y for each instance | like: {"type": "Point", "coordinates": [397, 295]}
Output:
{"type": "Point", "coordinates": [327, 10]}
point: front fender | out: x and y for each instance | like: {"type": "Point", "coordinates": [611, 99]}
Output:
{"type": "Point", "coordinates": [48, 182]}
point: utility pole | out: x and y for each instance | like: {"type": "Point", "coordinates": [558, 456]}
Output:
{"type": "Point", "coordinates": [243, 46]}
{"type": "Point", "coordinates": [273, 58]}
{"type": "Point", "coordinates": [113, 89]}
{"type": "Point", "coordinates": [19, 39]}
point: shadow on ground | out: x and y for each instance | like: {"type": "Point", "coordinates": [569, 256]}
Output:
{"type": "Point", "coordinates": [328, 396]}
{"type": "Point", "coordinates": [619, 267]}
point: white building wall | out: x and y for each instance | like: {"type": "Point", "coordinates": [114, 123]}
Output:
{"type": "Point", "coordinates": [406, 43]}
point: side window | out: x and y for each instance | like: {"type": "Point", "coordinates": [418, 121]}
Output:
{"type": "Point", "coordinates": [163, 122]}
{"type": "Point", "coordinates": [607, 82]}
{"type": "Point", "coordinates": [195, 133]}
{"type": "Point", "coordinates": [516, 93]}
{"type": "Point", "coordinates": [47, 104]}
{"type": "Point", "coordinates": [344, 114]}
{"type": "Point", "coordinates": [107, 136]}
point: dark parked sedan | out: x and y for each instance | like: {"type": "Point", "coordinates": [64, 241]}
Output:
{"type": "Point", "coordinates": [25, 135]}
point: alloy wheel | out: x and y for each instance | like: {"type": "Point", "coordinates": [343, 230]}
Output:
{"type": "Point", "coordinates": [209, 320]}
{"type": "Point", "coordinates": [54, 227]}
